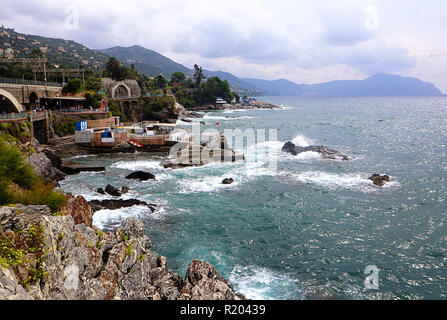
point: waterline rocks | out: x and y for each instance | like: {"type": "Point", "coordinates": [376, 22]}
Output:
{"type": "Point", "coordinates": [228, 181]}
{"type": "Point", "coordinates": [112, 191]}
{"type": "Point", "coordinates": [379, 180]}
{"type": "Point", "coordinates": [78, 262]}
{"type": "Point", "coordinates": [141, 175]}
{"type": "Point", "coordinates": [325, 152]}
{"type": "Point", "coordinates": [203, 282]}
{"type": "Point", "coordinates": [72, 168]}
{"type": "Point", "coordinates": [97, 205]}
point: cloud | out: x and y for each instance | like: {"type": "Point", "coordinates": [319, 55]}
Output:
{"type": "Point", "coordinates": [292, 38]}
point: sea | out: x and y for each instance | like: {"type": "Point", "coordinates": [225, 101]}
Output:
{"type": "Point", "coordinates": [305, 227]}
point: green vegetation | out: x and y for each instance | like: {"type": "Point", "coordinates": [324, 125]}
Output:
{"type": "Point", "coordinates": [129, 250]}
{"type": "Point", "coordinates": [19, 183]}
{"type": "Point", "coordinates": [114, 108]}
{"type": "Point", "coordinates": [124, 235]}
{"type": "Point", "coordinates": [152, 105]}
{"type": "Point", "coordinates": [65, 127]}
{"type": "Point", "coordinates": [73, 86]}
{"type": "Point", "coordinates": [93, 84]}
{"type": "Point", "coordinates": [25, 248]}
{"type": "Point", "coordinates": [93, 99]}
{"type": "Point", "coordinates": [177, 77]}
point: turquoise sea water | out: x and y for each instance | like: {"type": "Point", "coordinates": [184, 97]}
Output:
{"type": "Point", "coordinates": [310, 228]}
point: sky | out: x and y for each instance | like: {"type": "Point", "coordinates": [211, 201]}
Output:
{"type": "Point", "coordinates": [305, 41]}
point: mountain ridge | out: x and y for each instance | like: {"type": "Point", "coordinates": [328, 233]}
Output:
{"type": "Point", "coordinates": [152, 63]}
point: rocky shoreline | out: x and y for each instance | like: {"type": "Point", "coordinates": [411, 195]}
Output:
{"type": "Point", "coordinates": [73, 260]}
{"type": "Point", "coordinates": [70, 259]}
{"type": "Point", "coordinates": [193, 113]}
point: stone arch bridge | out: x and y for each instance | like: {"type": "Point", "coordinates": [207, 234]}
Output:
{"type": "Point", "coordinates": [18, 97]}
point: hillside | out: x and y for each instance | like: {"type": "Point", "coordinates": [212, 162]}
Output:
{"type": "Point", "coordinates": [58, 51]}
{"type": "Point", "coordinates": [146, 61]}
{"type": "Point", "coordinates": [281, 87]}
{"type": "Point", "coordinates": [72, 54]}
{"type": "Point", "coordinates": [376, 85]}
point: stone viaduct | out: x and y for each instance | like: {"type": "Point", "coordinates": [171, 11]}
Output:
{"type": "Point", "coordinates": [21, 97]}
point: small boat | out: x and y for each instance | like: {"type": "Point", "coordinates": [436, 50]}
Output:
{"type": "Point", "coordinates": [135, 144]}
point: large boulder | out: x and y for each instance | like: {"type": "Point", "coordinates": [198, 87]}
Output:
{"type": "Point", "coordinates": [325, 152]}
{"type": "Point", "coordinates": [203, 282]}
{"type": "Point", "coordinates": [379, 180]}
{"type": "Point", "coordinates": [112, 191]}
{"type": "Point", "coordinates": [228, 181]}
{"type": "Point", "coordinates": [44, 167]}
{"type": "Point", "coordinates": [141, 175]}
{"type": "Point", "coordinates": [80, 210]}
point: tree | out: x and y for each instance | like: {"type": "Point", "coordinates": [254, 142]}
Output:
{"type": "Point", "coordinates": [73, 86]}
{"type": "Point", "coordinates": [160, 81]}
{"type": "Point", "coordinates": [178, 77]}
{"type": "Point", "coordinates": [198, 75]}
{"type": "Point", "coordinates": [115, 69]}
{"type": "Point", "coordinates": [236, 96]}
{"type": "Point", "coordinates": [93, 84]}
{"type": "Point", "coordinates": [214, 88]}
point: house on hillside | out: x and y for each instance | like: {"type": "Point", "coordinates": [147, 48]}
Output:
{"type": "Point", "coordinates": [21, 38]}
{"type": "Point", "coordinates": [9, 53]}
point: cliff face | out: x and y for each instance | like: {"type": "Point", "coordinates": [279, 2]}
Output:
{"type": "Point", "coordinates": [68, 259]}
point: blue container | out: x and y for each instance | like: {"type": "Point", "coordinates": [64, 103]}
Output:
{"type": "Point", "coordinates": [81, 125]}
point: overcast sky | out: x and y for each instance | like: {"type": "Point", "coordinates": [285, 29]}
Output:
{"type": "Point", "coordinates": [306, 41]}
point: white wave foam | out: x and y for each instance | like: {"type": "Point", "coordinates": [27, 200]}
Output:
{"type": "Point", "coordinates": [138, 165]}
{"type": "Point", "coordinates": [302, 141]}
{"type": "Point", "coordinates": [263, 284]}
{"type": "Point", "coordinates": [334, 180]}
{"type": "Point", "coordinates": [208, 117]}
{"type": "Point", "coordinates": [235, 110]}
{"type": "Point", "coordinates": [205, 184]}
{"type": "Point", "coordinates": [104, 219]}
{"type": "Point", "coordinates": [309, 155]}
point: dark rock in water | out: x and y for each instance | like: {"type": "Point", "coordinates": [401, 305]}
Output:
{"type": "Point", "coordinates": [379, 180]}
{"type": "Point", "coordinates": [97, 205]}
{"type": "Point", "coordinates": [290, 148]}
{"type": "Point", "coordinates": [71, 168]}
{"type": "Point", "coordinates": [100, 191]}
{"type": "Point", "coordinates": [140, 175]}
{"type": "Point", "coordinates": [124, 190]}
{"type": "Point", "coordinates": [113, 191]}
{"type": "Point", "coordinates": [228, 181]}
{"type": "Point", "coordinates": [325, 152]}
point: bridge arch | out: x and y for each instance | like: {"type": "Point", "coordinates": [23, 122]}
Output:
{"type": "Point", "coordinates": [8, 102]}
{"type": "Point", "coordinates": [33, 97]}
{"type": "Point", "coordinates": [121, 88]}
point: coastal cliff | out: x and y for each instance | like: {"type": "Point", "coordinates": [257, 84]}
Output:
{"type": "Point", "coordinates": [63, 257]}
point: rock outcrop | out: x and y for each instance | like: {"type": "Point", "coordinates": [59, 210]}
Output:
{"type": "Point", "coordinates": [325, 152]}
{"type": "Point", "coordinates": [228, 181]}
{"type": "Point", "coordinates": [112, 191]}
{"type": "Point", "coordinates": [97, 205]}
{"type": "Point", "coordinates": [45, 168]}
{"type": "Point", "coordinates": [80, 210]}
{"type": "Point", "coordinates": [141, 175]}
{"type": "Point", "coordinates": [80, 262]}
{"type": "Point", "coordinates": [379, 180]}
